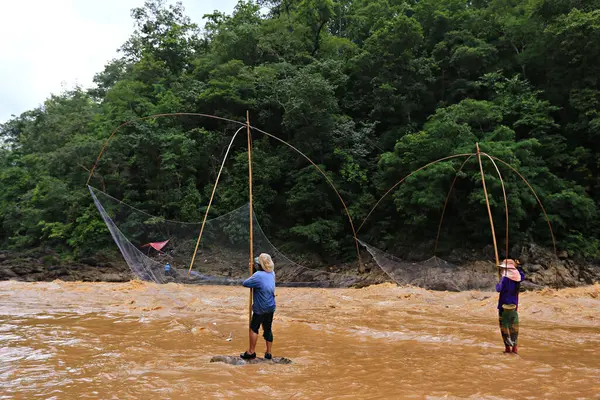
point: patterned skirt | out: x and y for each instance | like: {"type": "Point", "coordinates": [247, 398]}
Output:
{"type": "Point", "coordinates": [509, 325]}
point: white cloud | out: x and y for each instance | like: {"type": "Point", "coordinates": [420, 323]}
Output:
{"type": "Point", "coordinates": [48, 45]}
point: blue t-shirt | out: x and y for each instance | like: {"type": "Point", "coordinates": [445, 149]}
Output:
{"type": "Point", "coordinates": [263, 299]}
{"type": "Point", "coordinates": [509, 290]}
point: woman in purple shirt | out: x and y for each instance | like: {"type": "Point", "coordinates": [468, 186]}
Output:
{"type": "Point", "coordinates": [508, 303]}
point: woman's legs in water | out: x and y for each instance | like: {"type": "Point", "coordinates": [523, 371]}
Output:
{"type": "Point", "coordinates": [509, 328]}
{"type": "Point", "coordinates": [513, 330]}
{"type": "Point", "coordinates": [504, 333]}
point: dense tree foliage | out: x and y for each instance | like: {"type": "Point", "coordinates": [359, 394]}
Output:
{"type": "Point", "coordinates": [369, 89]}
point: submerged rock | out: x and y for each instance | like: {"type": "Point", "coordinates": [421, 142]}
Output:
{"type": "Point", "coordinates": [236, 360]}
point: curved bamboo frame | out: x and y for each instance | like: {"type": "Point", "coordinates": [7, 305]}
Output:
{"type": "Point", "coordinates": [437, 238]}
{"type": "Point", "coordinates": [536, 197]}
{"type": "Point", "coordinates": [405, 178]}
{"type": "Point", "coordinates": [242, 124]}
{"type": "Point", "coordinates": [354, 231]}
{"type": "Point", "coordinates": [154, 116]}
{"type": "Point", "coordinates": [505, 200]}
{"type": "Point", "coordinates": [469, 156]}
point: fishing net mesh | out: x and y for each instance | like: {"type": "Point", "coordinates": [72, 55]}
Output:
{"type": "Point", "coordinates": [433, 273]}
{"type": "Point", "coordinates": [222, 257]}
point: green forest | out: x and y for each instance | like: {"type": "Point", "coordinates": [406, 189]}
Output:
{"type": "Point", "coordinates": [369, 89]}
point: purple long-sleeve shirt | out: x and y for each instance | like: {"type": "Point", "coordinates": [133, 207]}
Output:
{"type": "Point", "coordinates": [509, 290]}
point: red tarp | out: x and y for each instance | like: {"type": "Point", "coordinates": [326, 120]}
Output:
{"type": "Point", "coordinates": [156, 245]}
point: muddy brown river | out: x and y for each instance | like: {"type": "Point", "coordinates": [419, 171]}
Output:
{"type": "Point", "coordinates": [143, 341]}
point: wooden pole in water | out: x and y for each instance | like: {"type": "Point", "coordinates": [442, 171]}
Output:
{"type": "Point", "coordinates": [487, 202]}
{"type": "Point", "coordinates": [251, 264]}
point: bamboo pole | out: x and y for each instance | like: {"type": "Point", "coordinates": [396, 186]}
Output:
{"type": "Point", "coordinates": [487, 203]}
{"type": "Point", "coordinates": [251, 264]}
{"type": "Point", "coordinates": [536, 197]}
{"type": "Point", "coordinates": [242, 124]}
{"type": "Point", "coordinates": [505, 200]}
{"type": "Point", "coordinates": [212, 196]}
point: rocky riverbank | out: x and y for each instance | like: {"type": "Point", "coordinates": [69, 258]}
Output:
{"type": "Point", "coordinates": [38, 268]}
{"type": "Point", "coordinates": [542, 268]}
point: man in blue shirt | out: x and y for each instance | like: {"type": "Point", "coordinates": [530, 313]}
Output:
{"type": "Point", "coordinates": [263, 304]}
{"type": "Point", "coordinates": [508, 303]}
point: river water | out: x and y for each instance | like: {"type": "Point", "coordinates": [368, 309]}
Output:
{"type": "Point", "coordinates": [135, 340]}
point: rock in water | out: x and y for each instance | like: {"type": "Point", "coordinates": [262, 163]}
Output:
{"type": "Point", "coordinates": [236, 360]}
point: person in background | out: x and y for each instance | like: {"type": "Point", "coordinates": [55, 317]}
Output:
{"type": "Point", "coordinates": [168, 271]}
{"type": "Point", "coordinates": [508, 303]}
{"type": "Point", "coordinates": [263, 305]}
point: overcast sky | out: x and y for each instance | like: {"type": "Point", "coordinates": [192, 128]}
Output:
{"type": "Point", "coordinates": [47, 44]}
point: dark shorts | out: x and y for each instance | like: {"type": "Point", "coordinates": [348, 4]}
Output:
{"type": "Point", "coordinates": [266, 320]}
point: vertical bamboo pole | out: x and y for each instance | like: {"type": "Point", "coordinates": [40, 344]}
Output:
{"type": "Point", "coordinates": [251, 264]}
{"type": "Point", "coordinates": [212, 196]}
{"type": "Point", "coordinates": [487, 202]}
{"type": "Point", "coordinates": [505, 205]}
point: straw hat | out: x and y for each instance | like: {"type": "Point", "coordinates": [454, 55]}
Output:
{"type": "Point", "coordinates": [509, 269]}
{"type": "Point", "coordinates": [265, 262]}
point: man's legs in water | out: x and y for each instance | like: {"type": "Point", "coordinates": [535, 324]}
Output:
{"type": "Point", "coordinates": [268, 333]}
{"type": "Point", "coordinates": [266, 320]}
{"type": "Point", "coordinates": [252, 338]}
